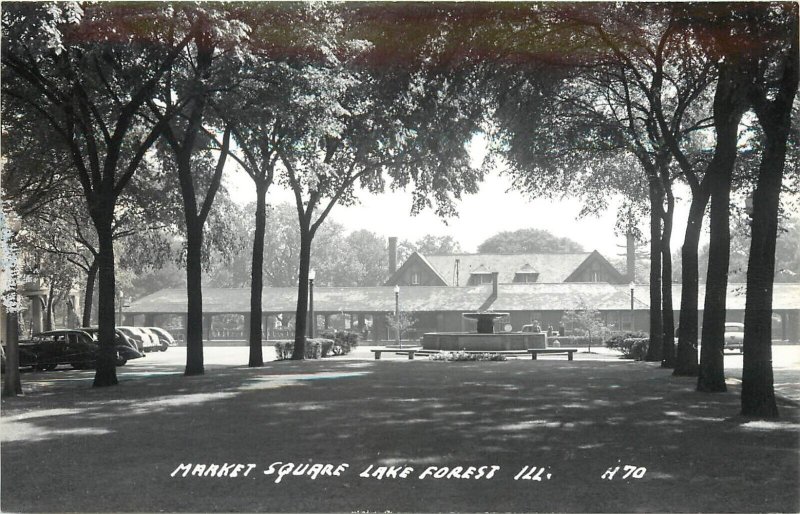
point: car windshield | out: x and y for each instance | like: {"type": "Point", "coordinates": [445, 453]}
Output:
{"type": "Point", "coordinates": [734, 328]}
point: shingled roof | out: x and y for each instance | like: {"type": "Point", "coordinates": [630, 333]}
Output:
{"type": "Point", "coordinates": [568, 296]}
{"type": "Point", "coordinates": [552, 267]}
{"type": "Point", "coordinates": [510, 297]}
{"type": "Point", "coordinates": [326, 299]}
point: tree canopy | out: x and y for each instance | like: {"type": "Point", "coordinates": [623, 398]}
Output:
{"type": "Point", "coordinates": [528, 240]}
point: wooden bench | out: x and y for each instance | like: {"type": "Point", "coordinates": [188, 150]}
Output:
{"type": "Point", "coordinates": [411, 352]}
{"type": "Point", "coordinates": [536, 351]}
{"type": "Point", "coordinates": [402, 351]}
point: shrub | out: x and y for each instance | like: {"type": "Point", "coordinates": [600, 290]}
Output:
{"type": "Point", "coordinates": [343, 341]}
{"type": "Point", "coordinates": [464, 356]}
{"type": "Point", "coordinates": [632, 345]}
{"type": "Point", "coordinates": [569, 340]}
{"type": "Point", "coordinates": [314, 349]}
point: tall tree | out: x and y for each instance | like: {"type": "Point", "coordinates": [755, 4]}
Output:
{"type": "Point", "coordinates": [528, 240]}
{"type": "Point", "coordinates": [368, 259]}
{"type": "Point", "coordinates": [360, 118]}
{"type": "Point", "coordinates": [257, 119]}
{"type": "Point", "coordinates": [195, 85]}
{"type": "Point", "coordinates": [772, 95]}
{"type": "Point", "coordinates": [603, 91]}
{"type": "Point", "coordinates": [257, 133]}
{"type": "Point", "coordinates": [690, 70]}
{"type": "Point", "coordinates": [88, 71]}
{"type": "Point", "coordinates": [429, 244]}
{"type": "Point", "coordinates": [730, 104]}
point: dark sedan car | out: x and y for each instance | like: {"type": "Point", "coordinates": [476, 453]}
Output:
{"type": "Point", "coordinates": [126, 347]}
{"type": "Point", "coordinates": [74, 347]}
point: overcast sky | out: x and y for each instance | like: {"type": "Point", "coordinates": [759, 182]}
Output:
{"type": "Point", "coordinates": [493, 209]}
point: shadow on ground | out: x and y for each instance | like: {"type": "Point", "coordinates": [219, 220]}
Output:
{"type": "Point", "coordinates": [115, 449]}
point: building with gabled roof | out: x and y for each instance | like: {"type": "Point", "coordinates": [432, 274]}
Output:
{"type": "Point", "coordinates": [438, 289]}
{"type": "Point", "coordinates": [463, 269]}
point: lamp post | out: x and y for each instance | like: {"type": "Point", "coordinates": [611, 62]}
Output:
{"type": "Point", "coordinates": [312, 319]}
{"type": "Point", "coordinates": [121, 301]}
{"type": "Point", "coordinates": [397, 315]}
{"type": "Point", "coordinates": [748, 205]}
{"type": "Point", "coordinates": [633, 319]}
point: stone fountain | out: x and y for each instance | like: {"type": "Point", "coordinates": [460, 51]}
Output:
{"type": "Point", "coordinates": [485, 338]}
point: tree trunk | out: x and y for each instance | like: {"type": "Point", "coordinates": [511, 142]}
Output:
{"type": "Point", "coordinates": [88, 296]}
{"type": "Point", "coordinates": [758, 393]}
{"type": "Point", "coordinates": [668, 314]}
{"type": "Point", "coordinates": [106, 372]}
{"type": "Point", "coordinates": [12, 385]}
{"type": "Point", "coordinates": [194, 297]}
{"type": "Point", "coordinates": [686, 361]}
{"type": "Point", "coordinates": [257, 278]}
{"type": "Point", "coordinates": [301, 314]}
{"type": "Point", "coordinates": [654, 349]}
{"type": "Point", "coordinates": [729, 106]}
{"type": "Point", "coordinates": [48, 308]}
{"type": "Point", "coordinates": [711, 376]}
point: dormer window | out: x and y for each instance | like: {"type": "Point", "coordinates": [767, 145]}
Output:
{"type": "Point", "coordinates": [525, 278]}
{"type": "Point", "coordinates": [480, 275]}
{"type": "Point", "coordinates": [526, 275]}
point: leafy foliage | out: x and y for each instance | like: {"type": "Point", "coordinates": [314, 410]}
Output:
{"type": "Point", "coordinates": [467, 357]}
{"type": "Point", "coordinates": [630, 345]}
{"type": "Point", "coordinates": [584, 321]}
{"type": "Point", "coordinates": [528, 240]}
{"type": "Point", "coordinates": [405, 322]}
{"type": "Point", "coordinates": [314, 348]}
{"type": "Point", "coordinates": [344, 341]}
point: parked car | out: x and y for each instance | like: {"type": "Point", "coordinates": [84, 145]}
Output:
{"type": "Point", "coordinates": [126, 347]}
{"type": "Point", "coordinates": [734, 336]}
{"type": "Point", "coordinates": [145, 341]}
{"type": "Point", "coordinates": [164, 337]}
{"type": "Point", "coordinates": [74, 347]}
{"type": "Point", "coordinates": [27, 359]}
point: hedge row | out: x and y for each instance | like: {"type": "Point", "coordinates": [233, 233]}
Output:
{"type": "Point", "coordinates": [632, 345]}
{"type": "Point", "coordinates": [331, 343]}
{"type": "Point", "coordinates": [314, 349]}
{"type": "Point", "coordinates": [343, 341]}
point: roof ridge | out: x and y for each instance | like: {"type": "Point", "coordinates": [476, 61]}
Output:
{"type": "Point", "coordinates": [499, 253]}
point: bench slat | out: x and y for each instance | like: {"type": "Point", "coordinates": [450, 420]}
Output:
{"type": "Point", "coordinates": [536, 351]}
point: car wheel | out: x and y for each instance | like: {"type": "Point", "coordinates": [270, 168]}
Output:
{"type": "Point", "coordinates": [164, 346]}
{"type": "Point", "coordinates": [121, 361]}
{"type": "Point", "coordinates": [50, 367]}
{"type": "Point", "coordinates": [76, 365]}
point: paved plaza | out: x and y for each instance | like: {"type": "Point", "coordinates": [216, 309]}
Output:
{"type": "Point", "coordinates": [348, 434]}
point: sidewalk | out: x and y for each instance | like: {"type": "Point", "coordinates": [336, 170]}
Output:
{"type": "Point", "coordinates": [395, 435]}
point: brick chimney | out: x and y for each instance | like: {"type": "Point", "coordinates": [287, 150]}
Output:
{"type": "Point", "coordinates": [492, 297]}
{"type": "Point", "coordinates": [392, 255]}
{"type": "Point", "coordinates": [631, 257]}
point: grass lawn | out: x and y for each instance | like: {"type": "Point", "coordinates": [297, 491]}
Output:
{"type": "Point", "coordinates": [115, 449]}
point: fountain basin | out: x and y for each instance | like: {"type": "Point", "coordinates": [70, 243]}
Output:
{"type": "Point", "coordinates": [485, 320]}
{"type": "Point", "coordinates": [502, 341]}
